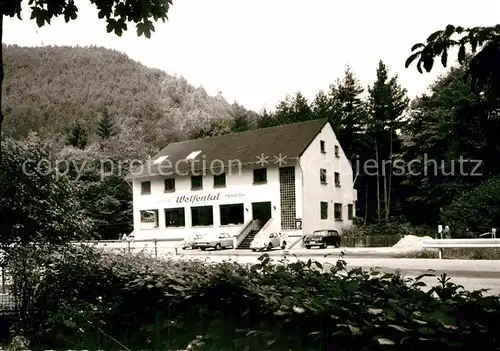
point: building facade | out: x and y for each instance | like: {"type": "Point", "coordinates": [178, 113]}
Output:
{"type": "Point", "coordinates": [292, 179]}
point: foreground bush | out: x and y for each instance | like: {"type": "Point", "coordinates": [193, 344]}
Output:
{"type": "Point", "coordinates": [88, 300]}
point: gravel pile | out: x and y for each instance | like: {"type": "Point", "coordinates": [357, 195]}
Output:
{"type": "Point", "coordinates": [411, 242]}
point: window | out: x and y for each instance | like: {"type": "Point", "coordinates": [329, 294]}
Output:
{"type": "Point", "coordinates": [202, 216]}
{"type": "Point", "coordinates": [260, 175]}
{"type": "Point", "coordinates": [196, 182]}
{"type": "Point", "coordinates": [174, 217]}
{"type": "Point", "coordinates": [324, 210]}
{"type": "Point", "coordinates": [232, 214]}
{"type": "Point", "coordinates": [220, 180]}
{"type": "Point", "coordinates": [146, 188]}
{"type": "Point", "coordinates": [350, 211]}
{"type": "Point", "coordinates": [169, 185]}
{"type": "Point", "coordinates": [338, 212]}
{"type": "Point", "coordinates": [337, 179]}
{"type": "Point", "coordinates": [336, 151]}
{"type": "Point", "coordinates": [149, 219]}
{"type": "Point", "coordinates": [322, 176]}
{"type": "Point", "coordinates": [322, 146]}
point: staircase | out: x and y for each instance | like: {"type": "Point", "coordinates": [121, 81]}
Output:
{"type": "Point", "coordinates": [245, 243]}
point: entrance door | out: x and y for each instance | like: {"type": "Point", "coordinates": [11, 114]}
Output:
{"type": "Point", "coordinates": [261, 210]}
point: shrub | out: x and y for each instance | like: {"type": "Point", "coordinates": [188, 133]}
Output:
{"type": "Point", "coordinates": [37, 205]}
{"type": "Point", "coordinates": [382, 234]}
{"type": "Point", "coordinates": [477, 210]}
{"type": "Point", "coordinates": [88, 299]}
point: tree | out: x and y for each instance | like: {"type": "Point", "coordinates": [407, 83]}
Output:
{"type": "Point", "coordinates": [292, 110]}
{"type": "Point", "coordinates": [211, 128]}
{"type": "Point", "coordinates": [442, 129]}
{"type": "Point", "coordinates": [345, 107]}
{"type": "Point", "coordinates": [49, 214]}
{"type": "Point", "coordinates": [477, 210]}
{"type": "Point", "coordinates": [387, 102]}
{"type": "Point", "coordinates": [483, 68]}
{"type": "Point", "coordinates": [77, 136]}
{"type": "Point", "coordinates": [348, 110]}
{"type": "Point", "coordinates": [105, 126]}
{"type": "Point", "coordinates": [116, 13]}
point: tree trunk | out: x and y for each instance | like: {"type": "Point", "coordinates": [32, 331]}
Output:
{"type": "Point", "coordinates": [366, 204]}
{"type": "Point", "coordinates": [378, 180]}
{"type": "Point", "coordinates": [384, 181]}
{"type": "Point", "coordinates": [1, 81]}
{"type": "Point", "coordinates": [389, 187]}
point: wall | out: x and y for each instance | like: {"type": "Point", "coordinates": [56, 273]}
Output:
{"type": "Point", "coordinates": [314, 191]}
{"type": "Point", "coordinates": [239, 189]}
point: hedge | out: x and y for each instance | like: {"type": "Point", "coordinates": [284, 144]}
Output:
{"type": "Point", "coordinates": [86, 299]}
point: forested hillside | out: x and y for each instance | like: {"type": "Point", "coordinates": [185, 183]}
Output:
{"type": "Point", "coordinates": [47, 89]}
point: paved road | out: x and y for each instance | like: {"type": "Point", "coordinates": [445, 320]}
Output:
{"type": "Point", "coordinates": [373, 252]}
{"type": "Point", "coordinates": [472, 274]}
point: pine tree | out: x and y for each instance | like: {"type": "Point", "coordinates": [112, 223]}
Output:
{"type": "Point", "coordinates": [348, 111]}
{"type": "Point", "coordinates": [77, 136]}
{"type": "Point", "coordinates": [105, 126]}
{"type": "Point", "coordinates": [387, 103]}
{"type": "Point", "coordinates": [322, 106]}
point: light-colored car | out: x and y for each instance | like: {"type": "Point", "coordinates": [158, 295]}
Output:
{"type": "Point", "coordinates": [190, 241]}
{"type": "Point", "coordinates": [266, 241]}
{"type": "Point", "coordinates": [217, 242]}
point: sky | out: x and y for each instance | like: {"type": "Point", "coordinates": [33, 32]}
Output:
{"type": "Point", "coordinates": [257, 51]}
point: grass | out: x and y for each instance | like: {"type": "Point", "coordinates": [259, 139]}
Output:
{"type": "Point", "coordinates": [458, 254]}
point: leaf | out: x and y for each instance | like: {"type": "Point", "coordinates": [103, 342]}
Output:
{"type": "Point", "coordinates": [297, 309]}
{"type": "Point", "coordinates": [428, 63]}
{"type": "Point", "coordinates": [417, 46]}
{"type": "Point", "coordinates": [419, 284]}
{"type": "Point", "coordinates": [399, 328]}
{"type": "Point", "coordinates": [383, 341]}
{"type": "Point", "coordinates": [450, 29]}
{"type": "Point", "coordinates": [412, 58]}
{"type": "Point", "coordinates": [354, 330]}
{"type": "Point", "coordinates": [375, 311]}
{"type": "Point", "coordinates": [434, 36]}
{"type": "Point", "coordinates": [461, 54]}
{"type": "Point", "coordinates": [444, 57]}
{"type": "Point", "coordinates": [319, 265]}
{"type": "Point", "coordinates": [426, 274]}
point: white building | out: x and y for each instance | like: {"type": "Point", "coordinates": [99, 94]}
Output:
{"type": "Point", "coordinates": [292, 179]}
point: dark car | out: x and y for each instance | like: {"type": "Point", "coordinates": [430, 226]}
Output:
{"type": "Point", "coordinates": [322, 238]}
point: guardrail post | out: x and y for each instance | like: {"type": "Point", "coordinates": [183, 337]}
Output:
{"type": "Point", "coordinates": [156, 248]}
{"type": "Point", "coordinates": [128, 246]}
{"type": "Point", "coordinates": [440, 253]}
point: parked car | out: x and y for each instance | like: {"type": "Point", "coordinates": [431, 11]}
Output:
{"type": "Point", "coordinates": [190, 241]}
{"type": "Point", "coordinates": [268, 241]}
{"type": "Point", "coordinates": [322, 238]}
{"type": "Point", "coordinates": [223, 240]}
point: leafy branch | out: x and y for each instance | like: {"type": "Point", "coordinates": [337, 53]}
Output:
{"type": "Point", "coordinates": [480, 46]}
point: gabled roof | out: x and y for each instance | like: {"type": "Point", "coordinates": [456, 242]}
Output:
{"type": "Point", "coordinates": [289, 140]}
